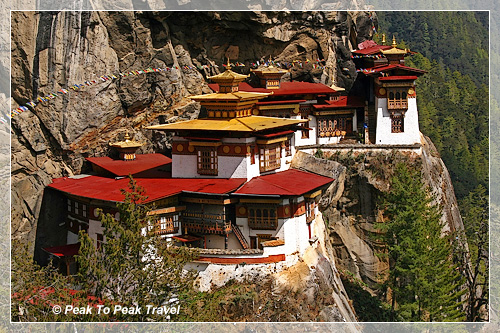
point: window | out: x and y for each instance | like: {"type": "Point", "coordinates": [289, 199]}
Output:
{"type": "Point", "coordinates": [69, 205]}
{"type": "Point", "coordinates": [288, 150]}
{"type": "Point", "coordinates": [207, 161]}
{"type": "Point", "coordinates": [84, 210]}
{"type": "Point", "coordinates": [398, 99]}
{"type": "Point", "coordinates": [167, 224]}
{"type": "Point", "coordinates": [100, 240]}
{"type": "Point", "coordinates": [270, 157]}
{"type": "Point", "coordinates": [76, 208]}
{"type": "Point", "coordinates": [262, 218]}
{"type": "Point", "coordinates": [331, 125]}
{"type": "Point", "coordinates": [305, 132]}
{"type": "Point", "coordinates": [310, 206]}
{"type": "Point", "coordinates": [175, 219]}
{"type": "Point", "coordinates": [397, 124]}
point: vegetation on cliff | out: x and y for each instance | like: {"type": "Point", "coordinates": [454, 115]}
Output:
{"type": "Point", "coordinates": [453, 107]}
{"type": "Point", "coordinates": [423, 283]}
{"type": "Point", "coordinates": [133, 268]}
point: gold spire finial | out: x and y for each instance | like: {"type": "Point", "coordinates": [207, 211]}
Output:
{"type": "Point", "coordinates": [127, 137]}
{"type": "Point", "coordinates": [383, 39]}
{"type": "Point", "coordinates": [228, 67]}
{"type": "Point", "coordinates": [270, 62]}
{"type": "Point", "coordinates": [394, 44]}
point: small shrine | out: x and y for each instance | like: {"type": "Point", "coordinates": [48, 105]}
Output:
{"type": "Point", "coordinates": [127, 148]}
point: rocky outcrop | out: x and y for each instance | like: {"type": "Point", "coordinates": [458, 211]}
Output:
{"type": "Point", "coordinates": [351, 212]}
{"type": "Point", "coordinates": [54, 50]}
{"type": "Point", "coordinates": [438, 179]}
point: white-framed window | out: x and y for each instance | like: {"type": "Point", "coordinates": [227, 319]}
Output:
{"type": "Point", "coordinates": [84, 210]}
{"type": "Point", "coordinates": [175, 219]}
{"type": "Point", "coordinates": [76, 208]}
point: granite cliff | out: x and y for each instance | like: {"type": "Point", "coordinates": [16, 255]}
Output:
{"type": "Point", "coordinates": [351, 209]}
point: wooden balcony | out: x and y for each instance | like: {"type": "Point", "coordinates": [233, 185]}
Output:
{"type": "Point", "coordinates": [168, 228]}
{"type": "Point", "coordinates": [205, 223]}
{"type": "Point", "coordinates": [397, 104]}
{"type": "Point", "coordinates": [263, 223]}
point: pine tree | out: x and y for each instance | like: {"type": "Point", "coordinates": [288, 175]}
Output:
{"type": "Point", "coordinates": [473, 258]}
{"type": "Point", "coordinates": [133, 266]}
{"type": "Point", "coordinates": [424, 282]}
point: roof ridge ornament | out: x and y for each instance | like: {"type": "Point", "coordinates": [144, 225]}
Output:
{"type": "Point", "coordinates": [394, 44]}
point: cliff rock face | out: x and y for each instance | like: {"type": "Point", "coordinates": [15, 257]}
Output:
{"type": "Point", "coordinates": [351, 211]}
{"type": "Point", "coordinates": [54, 50]}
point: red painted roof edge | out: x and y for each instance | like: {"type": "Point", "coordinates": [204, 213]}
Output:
{"type": "Point", "coordinates": [272, 135]}
{"type": "Point", "coordinates": [68, 250]}
{"type": "Point", "coordinates": [398, 77]}
{"type": "Point", "coordinates": [381, 68]}
{"type": "Point", "coordinates": [372, 50]}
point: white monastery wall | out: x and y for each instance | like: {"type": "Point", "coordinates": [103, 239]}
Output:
{"type": "Point", "coordinates": [299, 141]}
{"type": "Point", "coordinates": [71, 238]}
{"type": "Point", "coordinates": [411, 132]}
{"type": "Point", "coordinates": [215, 241]}
{"type": "Point", "coordinates": [184, 166]}
{"type": "Point", "coordinates": [95, 227]}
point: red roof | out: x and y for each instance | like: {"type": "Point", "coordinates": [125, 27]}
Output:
{"type": "Point", "coordinates": [398, 78]}
{"type": "Point", "coordinates": [372, 49]}
{"type": "Point", "coordinates": [287, 88]}
{"type": "Point", "coordinates": [69, 250]}
{"type": "Point", "coordinates": [385, 68]}
{"type": "Point", "coordinates": [293, 101]}
{"type": "Point", "coordinates": [342, 102]}
{"type": "Point", "coordinates": [141, 163]}
{"type": "Point", "coordinates": [109, 189]}
{"type": "Point", "coordinates": [289, 182]}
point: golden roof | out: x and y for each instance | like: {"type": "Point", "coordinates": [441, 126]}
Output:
{"type": "Point", "coordinates": [270, 70]}
{"type": "Point", "coordinates": [127, 143]}
{"type": "Point", "coordinates": [337, 88]}
{"type": "Point", "coordinates": [243, 124]}
{"type": "Point", "coordinates": [228, 76]}
{"type": "Point", "coordinates": [395, 49]}
{"type": "Point", "coordinates": [236, 96]}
